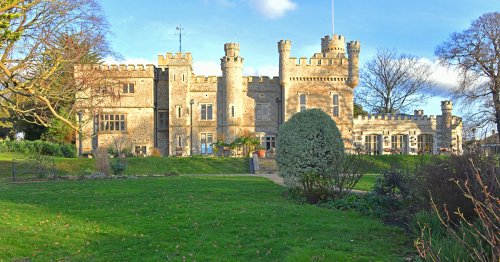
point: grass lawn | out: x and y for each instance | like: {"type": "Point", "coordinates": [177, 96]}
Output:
{"type": "Point", "coordinates": [175, 218]}
{"type": "Point", "coordinates": [366, 182]}
{"type": "Point", "coordinates": [377, 164]}
{"type": "Point", "coordinates": [143, 165]}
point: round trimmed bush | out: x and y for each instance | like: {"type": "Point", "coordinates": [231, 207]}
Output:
{"type": "Point", "coordinates": [307, 145]}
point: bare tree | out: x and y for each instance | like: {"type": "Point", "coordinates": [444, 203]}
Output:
{"type": "Point", "coordinates": [476, 53]}
{"type": "Point", "coordinates": [393, 82]}
{"type": "Point", "coordinates": [40, 42]}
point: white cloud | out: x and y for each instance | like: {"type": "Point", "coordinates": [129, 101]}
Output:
{"type": "Point", "coordinates": [446, 79]}
{"type": "Point", "coordinates": [206, 68]}
{"type": "Point", "coordinates": [273, 9]}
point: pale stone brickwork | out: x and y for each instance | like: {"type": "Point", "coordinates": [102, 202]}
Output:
{"type": "Point", "coordinates": [171, 106]}
{"type": "Point", "coordinates": [409, 134]}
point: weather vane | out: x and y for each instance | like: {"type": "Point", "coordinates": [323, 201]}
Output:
{"type": "Point", "coordinates": [179, 28]}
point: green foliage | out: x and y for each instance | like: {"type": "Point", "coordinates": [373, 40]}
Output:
{"type": "Point", "coordinates": [379, 163]}
{"type": "Point", "coordinates": [307, 146]}
{"type": "Point", "coordinates": [440, 245]}
{"type": "Point", "coordinates": [6, 18]}
{"type": "Point", "coordinates": [58, 131]}
{"type": "Point", "coordinates": [118, 167]}
{"type": "Point", "coordinates": [393, 183]}
{"type": "Point", "coordinates": [200, 218]}
{"type": "Point", "coordinates": [367, 204]}
{"type": "Point", "coordinates": [39, 147]}
{"type": "Point", "coordinates": [358, 110]}
{"type": "Point", "coordinates": [143, 165]}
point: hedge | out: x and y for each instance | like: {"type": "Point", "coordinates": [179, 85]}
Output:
{"type": "Point", "coordinates": [38, 146]}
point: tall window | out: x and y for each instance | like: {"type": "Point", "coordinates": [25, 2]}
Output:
{"type": "Point", "coordinates": [162, 120]}
{"type": "Point", "coordinates": [371, 144]}
{"type": "Point", "coordinates": [262, 112]}
{"type": "Point", "coordinates": [336, 105]}
{"type": "Point", "coordinates": [128, 88]}
{"type": "Point", "coordinates": [179, 141]}
{"type": "Point", "coordinates": [206, 112]}
{"type": "Point", "coordinates": [424, 144]}
{"type": "Point", "coordinates": [398, 143]}
{"type": "Point", "coordinates": [232, 111]}
{"type": "Point", "coordinates": [112, 122]}
{"type": "Point", "coordinates": [206, 143]}
{"type": "Point", "coordinates": [178, 109]}
{"type": "Point", "coordinates": [302, 102]}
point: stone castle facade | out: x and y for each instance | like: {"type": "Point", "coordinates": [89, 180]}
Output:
{"type": "Point", "coordinates": [169, 108]}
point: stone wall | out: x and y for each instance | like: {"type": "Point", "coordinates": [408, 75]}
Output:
{"type": "Point", "coordinates": [172, 88]}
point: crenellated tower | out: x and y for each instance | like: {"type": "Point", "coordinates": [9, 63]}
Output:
{"type": "Point", "coordinates": [284, 47]}
{"type": "Point", "coordinates": [232, 77]}
{"type": "Point", "coordinates": [353, 49]}
{"type": "Point", "coordinates": [446, 124]}
{"type": "Point", "coordinates": [333, 46]}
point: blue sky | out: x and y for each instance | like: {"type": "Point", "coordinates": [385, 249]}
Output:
{"type": "Point", "coordinates": [143, 29]}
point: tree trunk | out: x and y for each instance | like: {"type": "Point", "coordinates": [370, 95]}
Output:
{"type": "Point", "coordinates": [496, 104]}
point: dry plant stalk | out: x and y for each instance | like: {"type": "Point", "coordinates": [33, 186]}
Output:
{"type": "Point", "coordinates": [481, 188]}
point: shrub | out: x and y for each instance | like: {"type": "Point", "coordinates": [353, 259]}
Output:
{"type": "Point", "coordinates": [102, 161]}
{"type": "Point", "coordinates": [439, 181]}
{"type": "Point", "coordinates": [38, 147]}
{"type": "Point", "coordinates": [68, 150]}
{"type": "Point", "coordinates": [471, 227]}
{"type": "Point", "coordinates": [156, 152]}
{"type": "Point", "coordinates": [118, 167]}
{"type": "Point", "coordinates": [307, 146]}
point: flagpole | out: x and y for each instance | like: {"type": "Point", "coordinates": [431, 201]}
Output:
{"type": "Point", "coordinates": [333, 18]}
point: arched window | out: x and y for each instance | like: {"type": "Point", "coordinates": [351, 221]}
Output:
{"type": "Point", "coordinates": [302, 102]}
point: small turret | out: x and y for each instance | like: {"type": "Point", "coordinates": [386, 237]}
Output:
{"type": "Point", "coordinates": [284, 47]}
{"type": "Point", "coordinates": [446, 130]}
{"type": "Point", "coordinates": [333, 46]}
{"type": "Point", "coordinates": [353, 49]}
{"type": "Point", "coordinates": [232, 75]}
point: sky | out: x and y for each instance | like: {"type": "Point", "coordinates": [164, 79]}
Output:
{"type": "Point", "coordinates": [143, 29]}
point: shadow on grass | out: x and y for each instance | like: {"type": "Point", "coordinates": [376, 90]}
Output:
{"type": "Point", "coordinates": [199, 218]}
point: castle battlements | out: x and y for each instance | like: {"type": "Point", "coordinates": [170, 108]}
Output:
{"type": "Point", "coordinates": [353, 46]}
{"type": "Point", "coordinates": [396, 117]}
{"type": "Point", "coordinates": [117, 67]}
{"type": "Point", "coordinates": [262, 79]}
{"type": "Point", "coordinates": [420, 119]}
{"type": "Point", "coordinates": [175, 59]}
{"type": "Point", "coordinates": [319, 79]}
{"type": "Point", "coordinates": [318, 61]}
{"type": "Point", "coordinates": [333, 44]}
{"type": "Point", "coordinates": [205, 79]}
{"type": "Point", "coordinates": [232, 59]}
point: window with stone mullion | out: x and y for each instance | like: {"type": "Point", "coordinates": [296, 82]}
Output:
{"type": "Point", "coordinates": [206, 112]}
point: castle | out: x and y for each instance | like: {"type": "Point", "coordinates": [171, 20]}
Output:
{"type": "Point", "coordinates": [170, 108]}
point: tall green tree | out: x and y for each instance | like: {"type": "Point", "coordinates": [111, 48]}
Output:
{"type": "Point", "coordinates": [40, 42]}
{"type": "Point", "coordinates": [476, 53]}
